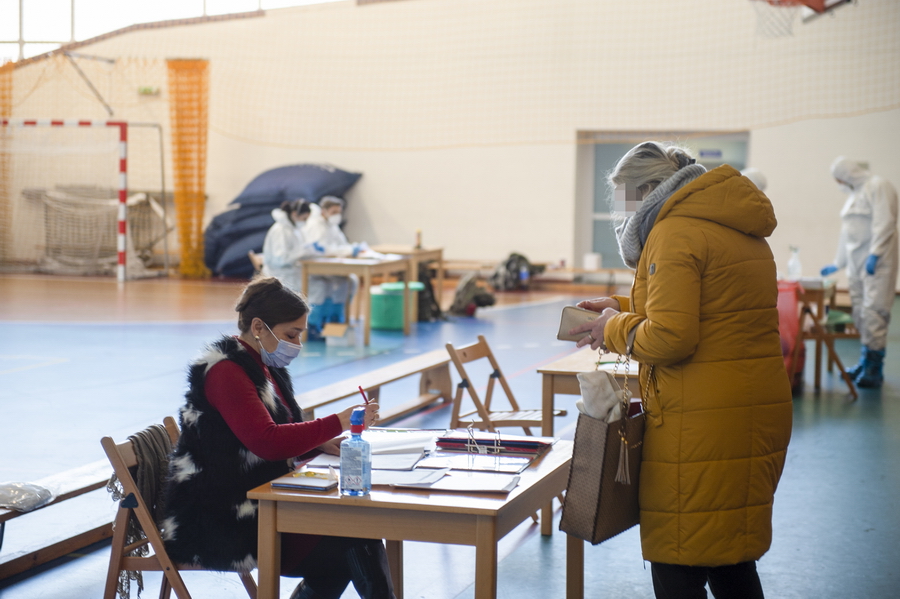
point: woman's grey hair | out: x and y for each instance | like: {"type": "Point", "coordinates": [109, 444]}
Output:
{"type": "Point", "coordinates": [647, 165]}
{"type": "Point", "coordinates": [329, 201]}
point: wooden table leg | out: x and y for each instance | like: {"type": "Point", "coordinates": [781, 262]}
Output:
{"type": "Point", "coordinates": [440, 280]}
{"type": "Point", "coordinates": [365, 304]}
{"type": "Point", "coordinates": [304, 287]}
{"type": "Point", "coordinates": [547, 431]}
{"type": "Point", "coordinates": [407, 301]}
{"type": "Point", "coordinates": [414, 276]}
{"type": "Point", "coordinates": [485, 559]}
{"type": "Point", "coordinates": [574, 568]}
{"type": "Point", "coordinates": [269, 557]}
{"type": "Point", "coordinates": [395, 562]}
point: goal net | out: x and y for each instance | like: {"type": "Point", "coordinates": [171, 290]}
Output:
{"type": "Point", "coordinates": [63, 184]}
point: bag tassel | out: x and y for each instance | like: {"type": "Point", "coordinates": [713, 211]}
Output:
{"type": "Point", "coordinates": [623, 474]}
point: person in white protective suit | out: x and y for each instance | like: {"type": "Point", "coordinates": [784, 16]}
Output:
{"type": "Point", "coordinates": [868, 249]}
{"type": "Point", "coordinates": [755, 175]}
{"type": "Point", "coordinates": [328, 295]}
{"type": "Point", "coordinates": [285, 244]}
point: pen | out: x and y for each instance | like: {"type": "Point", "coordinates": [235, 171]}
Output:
{"type": "Point", "coordinates": [363, 393]}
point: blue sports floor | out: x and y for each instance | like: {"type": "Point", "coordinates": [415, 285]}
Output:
{"type": "Point", "coordinates": [65, 384]}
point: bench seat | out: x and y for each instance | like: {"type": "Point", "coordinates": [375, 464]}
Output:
{"type": "Point", "coordinates": [434, 384]}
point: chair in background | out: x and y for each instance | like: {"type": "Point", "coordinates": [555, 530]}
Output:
{"type": "Point", "coordinates": [256, 260]}
{"type": "Point", "coordinates": [483, 416]}
{"type": "Point", "coordinates": [134, 505]}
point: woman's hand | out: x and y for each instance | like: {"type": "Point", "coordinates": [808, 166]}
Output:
{"type": "Point", "coordinates": [332, 447]}
{"type": "Point", "coordinates": [599, 304]}
{"type": "Point", "coordinates": [595, 328]}
{"type": "Point", "coordinates": [371, 415]}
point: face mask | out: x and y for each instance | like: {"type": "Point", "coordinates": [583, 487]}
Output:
{"type": "Point", "coordinates": [283, 354]}
{"type": "Point", "coordinates": [335, 219]}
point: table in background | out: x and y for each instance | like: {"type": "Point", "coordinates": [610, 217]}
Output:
{"type": "Point", "coordinates": [365, 269]}
{"type": "Point", "coordinates": [397, 515]}
{"type": "Point", "coordinates": [813, 296]}
{"type": "Point", "coordinates": [418, 256]}
{"type": "Point", "coordinates": [561, 376]}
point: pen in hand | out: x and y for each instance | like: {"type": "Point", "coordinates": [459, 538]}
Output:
{"type": "Point", "coordinates": [363, 393]}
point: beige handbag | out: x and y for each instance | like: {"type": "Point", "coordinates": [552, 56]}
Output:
{"type": "Point", "coordinates": [602, 493]}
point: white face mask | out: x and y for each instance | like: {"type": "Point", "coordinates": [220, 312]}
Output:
{"type": "Point", "coordinates": [284, 353]}
{"type": "Point", "coordinates": [335, 219]}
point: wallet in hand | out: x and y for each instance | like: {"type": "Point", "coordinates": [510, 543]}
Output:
{"type": "Point", "coordinates": [571, 318]}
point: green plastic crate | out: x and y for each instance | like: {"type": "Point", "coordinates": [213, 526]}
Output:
{"type": "Point", "coordinates": [387, 304]}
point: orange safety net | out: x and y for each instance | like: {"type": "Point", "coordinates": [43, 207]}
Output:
{"type": "Point", "coordinates": [189, 114]}
{"type": "Point", "coordinates": [6, 87]}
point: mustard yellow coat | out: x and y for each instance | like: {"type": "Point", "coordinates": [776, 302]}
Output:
{"type": "Point", "coordinates": [718, 398]}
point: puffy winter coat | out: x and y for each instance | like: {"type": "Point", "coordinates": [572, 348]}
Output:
{"type": "Point", "coordinates": [703, 310]}
{"type": "Point", "coordinates": [209, 520]}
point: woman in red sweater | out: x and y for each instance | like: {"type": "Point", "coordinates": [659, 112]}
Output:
{"type": "Point", "coordinates": [241, 427]}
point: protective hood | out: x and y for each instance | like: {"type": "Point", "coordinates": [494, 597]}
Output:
{"type": "Point", "coordinates": [850, 172]}
{"type": "Point", "coordinates": [723, 196]}
{"type": "Point", "coordinates": [281, 217]}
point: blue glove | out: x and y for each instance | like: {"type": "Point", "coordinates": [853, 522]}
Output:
{"type": "Point", "coordinates": [871, 261]}
{"type": "Point", "coordinates": [318, 247]}
{"type": "Point", "coordinates": [356, 250]}
{"type": "Point", "coordinates": [827, 270]}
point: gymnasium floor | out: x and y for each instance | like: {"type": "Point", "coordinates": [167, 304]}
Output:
{"type": "Point", "coordinates": [82, 358]}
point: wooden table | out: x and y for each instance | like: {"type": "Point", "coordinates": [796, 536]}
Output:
{"type": "Point", "coordinates": [418, 256]}
{"type": "Point", "coordinates": [365, 269]}
{"type": "Point", "coordinates": [412, 515]}
{"type": "Point", "coordinates": [813, 297]}
{"type": "Point", "coordinates": [561, 376]}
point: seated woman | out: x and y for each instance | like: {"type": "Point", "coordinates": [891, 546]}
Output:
{"type": "Point", "coordinates": [241, 427]}
{"type": "Point", "coordinates": [286, 245]}
{"type": "Point", "coordinates": [328, 295]}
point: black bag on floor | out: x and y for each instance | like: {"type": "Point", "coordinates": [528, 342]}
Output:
{"type": "Point", "coordinates": [429, 309]}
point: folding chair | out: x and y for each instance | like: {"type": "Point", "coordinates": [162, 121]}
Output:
{"type": "Point", "coordinates": [122, 457]}
{"type": "Point", "coordinates": [256, 260]}
{"type": "Point", "coordinates": [483, 416]}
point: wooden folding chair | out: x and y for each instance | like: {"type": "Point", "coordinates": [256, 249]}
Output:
{"type": "Point", "coordinates": [483, 417]}
{"type": "Point", "coordinates": [256, 260]}
{"type": "Point", "coordinates": [123, 458]}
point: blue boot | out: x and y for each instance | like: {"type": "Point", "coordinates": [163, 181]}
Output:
{"type": "Point", "coordinates": [315, 322]}
{"type": "Point", "coordinates": [337, 313]}
{"type": "Point", "coordinates": [872, 376]}
{"type": "Point", "coordinates": [857, 370]}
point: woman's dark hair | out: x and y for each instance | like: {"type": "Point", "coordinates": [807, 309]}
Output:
{"type": "Point", "coordinates": [300, 206]}
{"type": "Point", "coordinates": [267, 299]}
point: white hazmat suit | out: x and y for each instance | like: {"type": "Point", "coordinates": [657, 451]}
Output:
{"type": "Point", "coordinates": [869, 228]}
{"type": "Point", "coordinates": [283, 248]}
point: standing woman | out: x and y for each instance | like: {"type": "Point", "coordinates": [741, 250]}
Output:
{"type": "Point", "coordinates": [285, 245]}
{"type": "Point", "coordinates": [702, 322]}
{"type": "Point", "coordinates": [240, 428]}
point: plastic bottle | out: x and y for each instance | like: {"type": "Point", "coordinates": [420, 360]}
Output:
{"type": "Point", "coordinates": [418, 239]}
{"type": "Point", "coordinates": [524, 277]}
{"type": "Point", "coordinates": [795, 269]}
{"type": "Point", "coordinates": [356, 458]}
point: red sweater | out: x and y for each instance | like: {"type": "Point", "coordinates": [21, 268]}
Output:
{"type": "Point", "coordinates": [231, 392]}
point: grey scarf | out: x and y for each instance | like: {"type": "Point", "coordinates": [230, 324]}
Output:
{"type": "Point", "coordinates": [632, 233]}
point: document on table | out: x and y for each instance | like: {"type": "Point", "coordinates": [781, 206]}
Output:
{"type": "Point", "coordinates": [511, 464]}
{"type": "Point", "coordinates": [387, 461]}
{"type": "Point", "coordinates": [414, 478]}
{"type": "Point", "coordinates": [443, 480]}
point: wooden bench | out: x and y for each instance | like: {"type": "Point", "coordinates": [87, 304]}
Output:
{"type": "Point", "coordinates": [434, 384]}
{"type": "Point", "coordinates": [66, 485]}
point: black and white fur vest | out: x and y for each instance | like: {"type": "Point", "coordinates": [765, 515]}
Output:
{"type": "Point", "coordinates": [209, 520]}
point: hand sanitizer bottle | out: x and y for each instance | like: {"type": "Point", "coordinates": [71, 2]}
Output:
{"type": "Point", "coordinates": [356, 458]}
{"type": "Point", "coordinates": [795, 269]}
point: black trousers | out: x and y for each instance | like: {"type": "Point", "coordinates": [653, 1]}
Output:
{"type": "Point", "coordinates": [335, 562]}
{"type": "Point", "coordinates": [739, 581]}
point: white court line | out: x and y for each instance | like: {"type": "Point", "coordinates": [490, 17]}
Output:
{"type": "Point", "coordinates": [50, 362]}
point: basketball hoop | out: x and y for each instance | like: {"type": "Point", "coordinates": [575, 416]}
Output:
{"type": "Point", "coordinates": [775, 18]}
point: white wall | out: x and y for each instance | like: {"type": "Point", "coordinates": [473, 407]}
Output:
{"type": "Point", "coordinates": [463, 114]}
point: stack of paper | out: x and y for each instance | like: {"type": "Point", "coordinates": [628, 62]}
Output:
{"type": "Point", "coordinates": [486, 442]}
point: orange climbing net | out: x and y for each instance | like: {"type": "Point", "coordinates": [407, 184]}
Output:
{"type": "Point", "coordinates": [6, 80]}
{"type": "Point", "coordinates": [188, 109]}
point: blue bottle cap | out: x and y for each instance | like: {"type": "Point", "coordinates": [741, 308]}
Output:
{"type": "Point", "coordinates": [358, 417]}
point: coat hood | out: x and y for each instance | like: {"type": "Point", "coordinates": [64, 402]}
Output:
{"type": "Point", "coordinates": [850, 172]}
{"type": "Point", "coordinates": [725, 197]}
